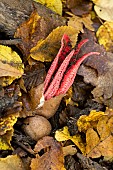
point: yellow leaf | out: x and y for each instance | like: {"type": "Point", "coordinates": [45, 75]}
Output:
{"type": "Point", "coordinates": [6, 123]}
{"type": "Point", "coordinates": [46, 50]}
{"type": "Point", "coordinates": [5, 140]}
{"type": "Point", "coordinates": [6, 130]}
{"type": "Point", "coordinates": [98, 130]}
{"type": "Point", "coordinates": [103, 128]}
{"type": "Point", "coordinates": [11, 162]}
{"type": "Point", "coordinates": [55, 5]}
{"type": "Point", "coordinates": [104, 9]}
{"type": "Point", "coordinates": [106, 148]}
{"type": "Point", "coordinates": [86, 122]}
{"type": "Point", "coordinates": [10, 64]}
{"type": "Point", "coordinates": [92, 141]}
{"type": "Point", "coordinates": [105, 35]}
{"type": "Point", "coordinates": [63, 135]}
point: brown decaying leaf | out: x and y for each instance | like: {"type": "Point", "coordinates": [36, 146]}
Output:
{"type": "Point", "coordinates": [51, 159]}
{"type": "Point", "coordinates": [8, 98]}
{"type": "Point", "coordinates": [98, 71]}
{"type": "Point", "coordinates": [34, 76]}
{"type": "Point", "coordinates": [79, 7]}
{"type": "Point", "coordinates": [33, 30]}
{"type": "Point", "coordinates": [32, 100]}
{"type": "Point", "coordinates": [11, 162]}
{"type": "Point", "coordinates": [78, 22]}
{"type": "Point", "coordinates": [92, 140]}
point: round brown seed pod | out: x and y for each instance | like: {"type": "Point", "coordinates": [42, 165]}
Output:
{"type": "Point", "coordinates": [37, 127]}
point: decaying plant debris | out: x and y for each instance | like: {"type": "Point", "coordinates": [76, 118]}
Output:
{"type": "Point", "coordinates": [56, 85]}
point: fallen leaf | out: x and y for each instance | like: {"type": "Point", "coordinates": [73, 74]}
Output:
{"type": "Point", "coordinates": [103, 128]}
{"type": "Point", "coordinates": [30, 32]}
{"type": "Point", "coordinates": [105, 35]}
{"type": "Point", "coordinates": [34, 76]}
{"type": "Point", "coordinates": [79, 7]}
{"type": "Point", "coordinates": [52, 157]}
{"type": "Point", "coordinates": [32, 100]}
{"type": "Point", "coordinates": [104, 9]}
{"type": "Point", "coordinates": [6, 130]}
{"type": "Point", "coordinates": [92, 141]}
{"type": "Point", "coordinates": [90, 121]}
{"type": "Point", "coordinates": [11, 162]}
{"type": "Point", "coordinates": [69, 150]}
{"type": "Point", "coordinates": [54, 5]}
{"type": "Point", "coordinates": [99, 139]}
{"type": "Point", "coordinates": [35, 28]}
{"type": "Point", "coordinates": [79, 22]}
{"type": "Point", "coordinates": [7, 122]}
{"type": "Point", "coordinates": [46, 50]}
{"type": "Point", "coordinates": [64, 135]}
{"type": "Point", "coordinates": [5, 140]}
{"type": "Point", "coordinates": [98, 71]}
{"type": "Point", "coordinates": [9, 103]}
{"type": "Point", "coordinates": [10, 65]}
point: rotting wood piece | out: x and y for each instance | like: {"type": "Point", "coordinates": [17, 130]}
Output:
{"type": "Point", "coordinates": [14, 12]}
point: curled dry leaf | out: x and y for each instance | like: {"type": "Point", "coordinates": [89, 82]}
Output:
{"type": "Point", "coordinates": [64, 135]}
{"type": "Point", "coordinates": [11, 65]}
{"type": "Point", "coordinates": [105, 35]}
{"type": "Point", "coordinates": [51, 159]}
{"type": "Point", "coordinates": [47, 49]}
{"type": "Point", "coordinates": [11, 162]}
{"type": "Point", "coordinates": [86, 122]}
{"type": "Point", "coordinates": [37, 127]}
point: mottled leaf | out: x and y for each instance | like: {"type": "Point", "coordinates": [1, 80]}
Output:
{"type": "Point", "coordinates": [52, 157]}
{"type": "Point", "coordinates": [10, 65]}
{"type": "Point", "coordinates": [46, 50]}
{"type": "Point", "coordinates": [105, 35]}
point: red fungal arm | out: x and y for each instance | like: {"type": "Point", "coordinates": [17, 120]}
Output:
{"type": "Point", "coordinates": [71, 73]}
{"type": "Point", "coordinates": [80, 45]}
{"type": "Point", "coordinates": [54, 86]}
{"type": "Point", "coordinates": [65, 48]}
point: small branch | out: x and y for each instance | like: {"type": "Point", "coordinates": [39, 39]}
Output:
{"type": "Point", "coordinates": [10, 42]}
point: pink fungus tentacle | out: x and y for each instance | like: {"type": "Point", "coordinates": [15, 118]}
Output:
{"type": "Point", "coordinates": [71, 73]}
{"type": "Point", "coordinates": [60, 56]}
{"type": "Point", "coordinates": [54, 86]}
